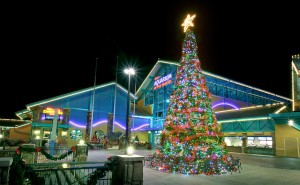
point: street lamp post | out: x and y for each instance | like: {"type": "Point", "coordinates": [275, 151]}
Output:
{"type": "Point", "coordinates": [129, 72]}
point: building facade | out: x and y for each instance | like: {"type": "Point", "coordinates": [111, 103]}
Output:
{"type": "Point", "coordinates": [252, 120]}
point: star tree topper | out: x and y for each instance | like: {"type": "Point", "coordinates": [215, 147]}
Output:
{"type": "Point", "coordinates": [188, 22]}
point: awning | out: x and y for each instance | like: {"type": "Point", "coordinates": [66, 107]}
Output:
{"type": "Point", "coordinates": [284, 118]}
{"type": "Point", "coordinates": [13, 122]}
{"type": "Point", "coordinates": [37, 124]}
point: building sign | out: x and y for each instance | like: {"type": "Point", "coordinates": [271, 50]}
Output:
{"type": "Point", "coordinates": [48, 113]}
{"type": "Point", "coordinates": [162, 81]}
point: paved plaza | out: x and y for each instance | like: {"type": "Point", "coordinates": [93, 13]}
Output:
{"type": "Point", "coordinates": [256, 170]}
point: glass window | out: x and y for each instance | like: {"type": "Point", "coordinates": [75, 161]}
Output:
{"type": "Point", "coordinates": [149, 99]}
{"type": "Point", "coordinates": [233, 141]}
{"type": "Point", "coordinates": [76, 134]}
{"type": "Point", "coordinates": [260, 142]}
{"type": "Point", "coordinates": [262, 138]}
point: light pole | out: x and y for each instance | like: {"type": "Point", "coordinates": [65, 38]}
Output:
{"type": "Point", "coordinates": [3, 140]}
{"type": "Point", "coordinates": [129, 72]}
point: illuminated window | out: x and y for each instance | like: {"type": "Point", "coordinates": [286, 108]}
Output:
{"type": "Point", "coordinates": [233, 141]}
{"type": "Point", "coordinates": [76, 134]}
{"type": "Point", "coordinates": [149, 99]}
{"type": "Point", "coordinates": [260, 142]}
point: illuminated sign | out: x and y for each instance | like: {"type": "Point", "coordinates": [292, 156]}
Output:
{"type": "Point", "coordinates": [162, 81]}
{"type": "Point", "coordinates": [49, 113]}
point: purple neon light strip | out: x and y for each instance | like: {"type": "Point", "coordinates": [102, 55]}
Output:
{"type": "Point", "coordinates": [144, 125]}
{"type": "Point", "coordinates": [229, 104]}
{"type": "Point", "coordinates": [104, 121]}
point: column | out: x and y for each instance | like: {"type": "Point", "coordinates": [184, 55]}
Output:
{"type": "Point", "coordinates": [110, 123]}
{"type": "Point", "coordinates": [244, 143]}
{"type": "Point", "coordinates": [129, 170]}
{"type": "Point", "coordinates": [66, 116]}
{"type": "Point", "coordinates": [273, 143]}
{"type": "Point", "coordinates": [81, 153]}
{"type": "Point", "coordinates": [29, 157]}
{"type": "Point", "coordinates": [5, 163]}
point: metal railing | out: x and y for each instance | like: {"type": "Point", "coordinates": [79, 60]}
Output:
{"type": "Point", "coordinates": [86, 173]}
{"type": "Point", "coordinates": [7, 153]}
{"type": "Point", "coordinates": [62, 168]}
{"type": "Point", "coordinates": [40, 158]}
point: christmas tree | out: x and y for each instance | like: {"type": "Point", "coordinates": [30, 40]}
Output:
{"type": "Point", "coordinates": [192, 142]}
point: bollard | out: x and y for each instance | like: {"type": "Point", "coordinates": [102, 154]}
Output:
{"type": "Point", "coordinates": [128, 170]}
{"type": "Point", "coordinates": [5, 163]}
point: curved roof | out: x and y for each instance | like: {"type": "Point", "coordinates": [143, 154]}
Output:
{"type": "Point", "coordinates": [27, 111]}
{"type": "Point", "coordinates": [251, 112]}
{"type": "Point", "coordinates": [13, 122]}
{"type": "Point", "coordinates": [160, 63]}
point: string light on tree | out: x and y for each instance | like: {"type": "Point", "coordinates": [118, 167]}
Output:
{"type": "Point", "coordinates": [192, 142]}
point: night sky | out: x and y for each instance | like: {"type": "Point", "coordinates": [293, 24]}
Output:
{"type": "Point", "coordinates": [50, 49]}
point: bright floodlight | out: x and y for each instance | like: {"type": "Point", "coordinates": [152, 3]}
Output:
{"type": "Point", "coordinates": [291, 122]}
{"type": "Point", "coordinates": [65, 165]}
{"type": "Point", "coordinates": [37, 132]}
{"type": "Point", "coordinates": [63, 133]}
{"type": "Point", "coordinates": [130, 150]}
{"type": "Point", "coordinates": [129, 71]}
{"type": "Point", "coordinates": [81, 141]}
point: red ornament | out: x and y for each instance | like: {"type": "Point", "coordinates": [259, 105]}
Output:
{"type": "Point", "coordinates": [18, 151]}
{"type": "Point", "coordinates": [38, 149]}
{"type": "Point", "coordinates": [73, 148]}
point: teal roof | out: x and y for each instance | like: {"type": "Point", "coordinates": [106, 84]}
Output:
{"type": "Point", "coordinates": [21, 114]}
{"type": "Point", "coordinates": [78, 92]}
{"type": "Point", "coordinates": [13, 122]}
{"type": "Point", "coordinates": [160, 63]}
{"type": "Point", "coordinates": [37, 124]}
{"type": "Point", "coordinates": [284, 118]}
{"type": "Point", "coordinates": [251, 112]}
{"type": "Point", "coordinates": [153, 71]}
{"type": "Point", "coordinates": [258, 118]}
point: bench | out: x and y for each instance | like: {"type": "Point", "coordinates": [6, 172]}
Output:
{"type": "Point", "coordinates": [97, 145]}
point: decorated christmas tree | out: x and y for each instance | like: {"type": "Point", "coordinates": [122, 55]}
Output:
{"type": "Point", "coordinates": [191, 139]}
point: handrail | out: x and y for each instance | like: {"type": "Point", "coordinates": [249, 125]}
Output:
{"type": "Point", "coordinates": [81, 173]}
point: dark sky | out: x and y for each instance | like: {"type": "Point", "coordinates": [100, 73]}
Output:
{"type": "Point", "coordinates": [50, 49]}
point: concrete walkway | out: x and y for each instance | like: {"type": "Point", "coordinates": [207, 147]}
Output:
{"type": "Point", "coordinates": [256, 170]}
